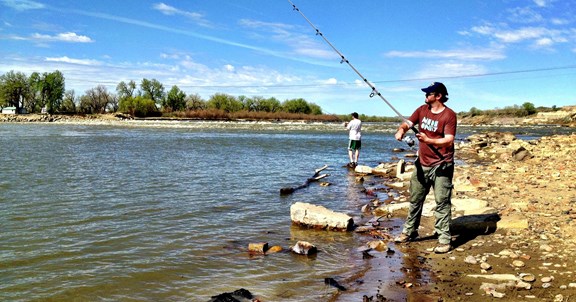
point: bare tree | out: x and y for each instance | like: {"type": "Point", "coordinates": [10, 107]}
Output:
{"type": "Point", "coordinates": [96, 100]}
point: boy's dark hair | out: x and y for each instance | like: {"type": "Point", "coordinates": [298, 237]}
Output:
{"type": "Point", "coordinates": [354, 114]}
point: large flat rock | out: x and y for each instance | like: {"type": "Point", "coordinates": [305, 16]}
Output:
{"type": "Point", "coordinates": [319, 217]}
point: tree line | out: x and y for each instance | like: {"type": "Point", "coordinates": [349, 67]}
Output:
{"type": "Point", "coordinates": [148, 98]}
{"type": "Point", "coordinates": [46, 91]}
{"type": "Point", "coordinates": [524, 110]}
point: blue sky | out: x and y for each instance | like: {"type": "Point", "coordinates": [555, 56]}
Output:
{"type": "Point", "coordinates": [490, 54]}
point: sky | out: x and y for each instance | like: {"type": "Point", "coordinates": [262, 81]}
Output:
{"type": "Point", "coordinates": [490, 54]}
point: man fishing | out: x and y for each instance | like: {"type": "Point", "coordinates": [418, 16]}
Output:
{"type": "Point", "coordinates": [434, 165]}
{"type": "Point", "coordinates": [354, 128]}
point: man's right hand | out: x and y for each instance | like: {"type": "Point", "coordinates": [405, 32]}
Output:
{"type": "Point", "coordinates": [399, 134]}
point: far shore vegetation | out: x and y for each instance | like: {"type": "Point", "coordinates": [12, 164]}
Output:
{"type": "Point", "coordinates": [45, 93]}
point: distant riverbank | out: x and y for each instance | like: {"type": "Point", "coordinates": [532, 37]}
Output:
{"type": "Point", "coordinates": [566, 116]}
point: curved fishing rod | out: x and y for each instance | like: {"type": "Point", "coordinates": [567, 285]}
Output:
{"type": "Point", "coordinates": [343, 59]}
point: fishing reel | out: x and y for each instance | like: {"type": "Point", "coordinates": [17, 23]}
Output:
{"type": "Point", "coordinates": [410, 141]}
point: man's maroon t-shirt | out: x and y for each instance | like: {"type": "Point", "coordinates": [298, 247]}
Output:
{"type": "Point", "coordinates": [434, 126]}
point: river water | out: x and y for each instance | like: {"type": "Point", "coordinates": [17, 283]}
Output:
{"type": "Point", "coordinates": [160, 211]}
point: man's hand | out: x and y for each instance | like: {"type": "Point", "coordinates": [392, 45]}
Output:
{"type": "Point", "coordinates": [399, 134]}
{"type": "Point", "coordinates": [423, 138]}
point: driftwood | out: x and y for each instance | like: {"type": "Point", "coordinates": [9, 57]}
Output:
{"type": "Point", "coordinates": [315, 177]}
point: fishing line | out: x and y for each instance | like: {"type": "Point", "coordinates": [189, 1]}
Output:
{"type": "Point", "coordinates": [344, 60]}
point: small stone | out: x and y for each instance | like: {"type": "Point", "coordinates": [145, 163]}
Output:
{"type": "Point", "coordinates": [546, 285]}
{"type": "Point", "coordinates": [508, 253]}
{"type": "Point", "coordinates": [274, 249]}
{"type": "Point", "coordinates": [518, 263]}
{"type": "Point", "coordinates": [470, 260]}
{"type": "Point", "coordinates": [546, 279]}
{"type": "Point", "coordinates": [304, 248]}
{"type": "Point", "coordinates": [259, 247]}
{"type": "Point", "coordinates": [523, 285]}
{"type": "Point", "coordinates": [496, 294]}
{"type": "Point", "coordinates": [527, 277]}
{"type": "Point", "coordinates": [485, 266]}
{"type": "Point", "coordinates": [378, 245]}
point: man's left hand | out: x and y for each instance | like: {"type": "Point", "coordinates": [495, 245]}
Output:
{"type": "Point", "coordinates": [423, 138]}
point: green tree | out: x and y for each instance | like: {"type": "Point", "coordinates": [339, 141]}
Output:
{"type": "Point", "coordinates": [247, 103]}
{"type": "Point", "coordinates": [124, 90]}
{"type": "Point", "coordinates": [175, 100]}
{"type": "Point", "coordinates": [139, 106]}
{"type": "Point", "coordinates": [195, 102]}
{"type": "Point", "coordinates": [475, 111]}
{"type": "Point", "coordinates": [225, 102]}
{"type": "Point", "coordinates": [296, 106]}
{"type": "Point", "coordinates": [14, 89]}
{"type": "Point", "coordinates": [35, 99]}
{"type": "Point", "coordinates": [529, 107]}
{"type": "Point", "coordinates": [315, 109]}
{"type": "Point", "coordinates": [53, 90]}
{"type": "Point", "coordinates": [153, 90]}
{"type": "Point", "coordinates": [269, 105]}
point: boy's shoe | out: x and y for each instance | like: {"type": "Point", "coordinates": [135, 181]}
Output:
{"type": "Point", "coordinates": [442, 248]}
{"type": "Point", "coordinates": [405, 237]}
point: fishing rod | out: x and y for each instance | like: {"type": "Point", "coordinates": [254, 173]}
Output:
{"type": "Point", "coordinates": [344, 60]}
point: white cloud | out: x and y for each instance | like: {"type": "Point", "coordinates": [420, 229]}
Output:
{"type": "Point", "coordinates": [330, 81]}
{"type": "Point", "coordinates": [451, 69]}
{"type": "Point", "coordinates": [198, 18]}
{"type": "Point", "coordinates": [534, 35]}
{"type": "Point", "coordinates": [525, 15]}
{"type": "Point", "coordinates": [545, 42]}
{"type": "Point", "coordinates": [460, 54]}
{"type": "Point", "coordinates": [229, 68]}
{"type": "Point", "coordinates": [66, 59]}
{"type": "Point", "coordinates": [540, 3]}
{"type": "Point", "coordinates": [559, 21]}
{"type": "Point", "coordinates": [21, 5]}
{"type": "Point", "coordinates": [301, 44]}
{"type": "Point", "coordinates": [63, 37]}
{"type": "Point", "coordinates": [518, 35]}
{"type": "Point", "coordinates": [169, 56]}
{"type": "Point", "coordinates": [316, 53]}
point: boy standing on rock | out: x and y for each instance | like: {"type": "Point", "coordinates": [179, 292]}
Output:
{"type": "Point", "coordinates": [434, 165]}
{"type": "Point", "coordinates": [354, 144]}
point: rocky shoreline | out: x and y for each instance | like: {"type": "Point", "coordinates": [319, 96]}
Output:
{"type": "Point", "coordinates": [524, 194]}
